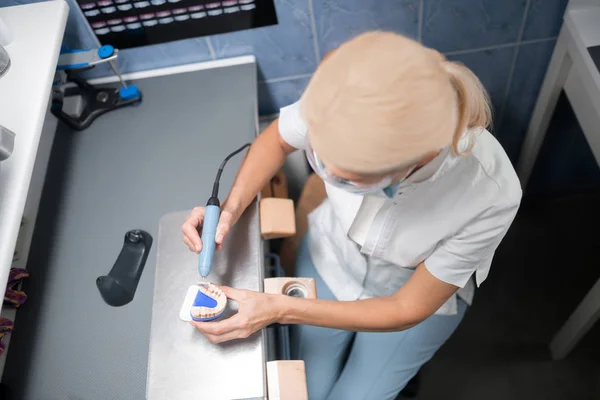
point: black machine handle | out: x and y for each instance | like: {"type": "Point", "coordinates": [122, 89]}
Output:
{"type": "Point", "coordinates": [118, 287]}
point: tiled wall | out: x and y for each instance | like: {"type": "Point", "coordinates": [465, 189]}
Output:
{"type": "Point", "coordinates": [507, 43]}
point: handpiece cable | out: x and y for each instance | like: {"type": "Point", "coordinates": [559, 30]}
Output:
{"type": "Point", "coordinates": [215, 191]}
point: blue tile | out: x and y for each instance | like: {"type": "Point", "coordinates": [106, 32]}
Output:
{"type": "Point", "coordinates": [450, 25]}
{"type": "Point", "coordinates": [492, 67]}
{"type": "Point", "coordinates": [339, 20]}
{"type": "Point", "coordinates": [281, 50]}
{"type": "Point", "coordinates": [185, 52]}
{"type": "Point", "coordinates": [169, 54]}
{"type": "Point", "coordinates": [544, 19]}
{"type": "Point", "coordinates": [274, 95]}
{"type": "Point", "coordinates": [528, 75]}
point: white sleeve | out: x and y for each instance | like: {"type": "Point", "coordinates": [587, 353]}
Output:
{"type": "Point", "coordinates": [292, 127]}
{"type": "Point", "coordinates": [472, 248]}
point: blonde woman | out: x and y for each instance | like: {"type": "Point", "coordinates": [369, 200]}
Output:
{"type": "Point", "coordinates": [419, 197]}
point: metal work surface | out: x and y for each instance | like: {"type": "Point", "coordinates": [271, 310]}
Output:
{"type": "Point", "coordinates": [126, 171]}
{"type": "Point", "coordinates": [183, 364]}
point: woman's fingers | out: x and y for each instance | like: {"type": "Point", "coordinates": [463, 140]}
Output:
{"type": "Point", "coordinates": [219, 328]}
{"type": "Point", "coordinates": [225, 222]}
{"type": "Point", "coordinates": [233, 294]}
{"type": "Point", "coordinates": [190, 232]}
{"type": "Point", "coordinates": [236, 327]}
{"type": "Point", "coordinates": [227, 337]}
{"type": "Point", "coordinates": [190, 229]}
{"type": "Point", "coordinates": [255, 312]}
{"type": "Point", "coordinates": [188, 243]}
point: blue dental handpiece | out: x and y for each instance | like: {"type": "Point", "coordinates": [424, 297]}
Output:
{"type": "Point", "coordinates": [209, 230]}
{"type": "Point", "coordinates": [211, 220]}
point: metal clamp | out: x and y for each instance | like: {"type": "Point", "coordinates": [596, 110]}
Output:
{"type": "Point", "coordinates": [97, 101]}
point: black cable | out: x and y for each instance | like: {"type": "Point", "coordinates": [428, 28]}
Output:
{"type": "Point", "coordinates": [215, 192]}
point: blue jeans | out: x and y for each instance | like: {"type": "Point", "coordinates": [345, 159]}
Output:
{"type": "Point", "coordinates": [344, 365]}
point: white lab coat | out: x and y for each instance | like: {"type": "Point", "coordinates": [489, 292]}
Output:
{"type": "Point", "coordinates": [451, 214]}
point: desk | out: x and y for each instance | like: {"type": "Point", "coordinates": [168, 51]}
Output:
{"type": "Point", "coordinates": [183, 364]}
{"type": "Point", "coordinates": [574, 68]}
{"type": "Point", "coordinates": [126, 171]}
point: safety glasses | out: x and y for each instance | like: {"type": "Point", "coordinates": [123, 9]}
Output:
{"type": "Point", "coordinates": [353, 187]}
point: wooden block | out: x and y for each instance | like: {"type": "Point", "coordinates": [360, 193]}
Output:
{"type": "Point", "coordinates": [286, 380]}
{"type": "Point", "coordinates": [277, 187]}
{"type": "Point", "coordinates": [291, 287]}
{"type": "Point", "coordinates": [313, 194]}
{"type": "Point", "coordinates": [277, 218]}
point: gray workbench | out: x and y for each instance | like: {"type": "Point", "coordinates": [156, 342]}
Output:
{"type": "Point", "coordinates": [126, 171]}
{"type": "Point", "coordinates": [183, 364]}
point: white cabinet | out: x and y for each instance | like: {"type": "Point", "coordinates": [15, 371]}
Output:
{"type": "Point", "coordinates": [36, 32]}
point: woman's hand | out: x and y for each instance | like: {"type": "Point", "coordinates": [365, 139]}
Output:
{"type": "Point", "coordinates": [256, 310]}
{"type": "Point", "coordinates": [192, 228]}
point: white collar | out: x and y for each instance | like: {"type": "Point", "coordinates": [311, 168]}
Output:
{"type": "Point", "coordinates": [430, 171]}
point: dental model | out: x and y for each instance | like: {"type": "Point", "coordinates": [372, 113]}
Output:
{"type": "Point", "coordinates": [203, 302]}
{"type": "Point", "coordinates": [209, 303]}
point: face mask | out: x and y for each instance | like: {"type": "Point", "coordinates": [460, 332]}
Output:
{"type": "Point", "coordinates": [390, 190]}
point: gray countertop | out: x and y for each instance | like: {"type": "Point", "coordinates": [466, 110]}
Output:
{"type": "Point", "coordinates": [183, 364]}
{"type": "Point", "coordinates": [126, 171]}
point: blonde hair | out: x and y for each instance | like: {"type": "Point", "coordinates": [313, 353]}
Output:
{"type": "Point", "coordinates": [474, 109]}
{"type": "Point", "coordinates": [382, 101]}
